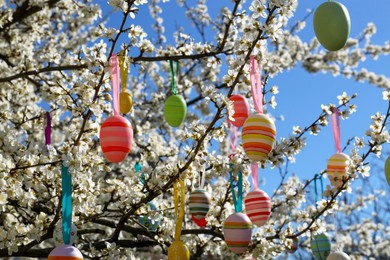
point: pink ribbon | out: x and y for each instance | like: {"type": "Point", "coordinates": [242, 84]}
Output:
{"type": "Point", "coordinates": [255, 175]}
{"type": "Point", "coordinates": [115, 83]}
{"type": "Point", "coordinates": [233, 137]}
{"type": "Point", "coordinates": [255, 78]}
{"type": "Point", "coordinates": [336, 128]}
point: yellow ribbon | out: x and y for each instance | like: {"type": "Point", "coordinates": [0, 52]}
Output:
{"type": "Point", "coordinates": [124, 67]}
{"type": "Point", "coordinates": [179, 214]}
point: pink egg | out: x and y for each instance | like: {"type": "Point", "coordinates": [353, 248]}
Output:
{"type": "Point", "coordinates": [65, 252]}
{"type": "Point", "coordinates": [241, 110]}
{"type": "Point", "coordinates": [258, 207]}
{"type": "Point", "coordinates": [116, 138]}
{"type": "Point", "coordinates": [237, 230]}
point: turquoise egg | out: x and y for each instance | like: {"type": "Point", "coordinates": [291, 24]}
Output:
{"type": "Point", "coordinates": [149, 222]}
{"type": "Point", "coordinates": [332, 25]}
{"type": "Point", "coordinates": [320, 246]}
{"type": "Point", "coordinates": [175, 110]}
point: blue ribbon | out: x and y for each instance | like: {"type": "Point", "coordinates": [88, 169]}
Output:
{"type": "Point", "coordinates": [66, 204]}
{"type": "Point", "coordinates": [318, 176]}
{"type": "Point", "coordinates": [237, 200]}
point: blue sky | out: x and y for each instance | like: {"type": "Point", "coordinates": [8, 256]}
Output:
{"type": "Point", "coordinates": [301, 94]}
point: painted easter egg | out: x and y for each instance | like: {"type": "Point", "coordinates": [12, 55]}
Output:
{"type": "Point", "coordinates": [57, 234]}
{"type": "Point", "coordinates": [387, 170]}
{"type": "Point", "coordinates": [241, 110]}
{"type": "Point", "coordinates": [116, 138]}
{"type": "Point", "coordinates": [294, 246]}
{"type": "Point", "coordinates": [258, 207]}
{"type": "Point", "coordinates": [337, 168]}
{"type": "Point", "coordinates": [199, 203]}
{"type": "Point", "coordinates": [178, 251]}
{"type": "Point", "coordinates": [237, 230]}
{"type": "Point", "coordinates": [258, 136]}
{"type": "Point", "coordinates": [338, 256]}
{"type": "Point", "coordinates": [125, 102]}
{"type": "Point", "coordinates": [175, 110]}
{"type": "Point", "coordinates": [200, 222]}
{"type": "Point", "coordinates": [151, 223]}
{"type": "Point", "coordinates": [332, 25]}
{"type": "Point", "coordinates": [320, 246]}
{"type": "Point", "coordinates": [65, 252]}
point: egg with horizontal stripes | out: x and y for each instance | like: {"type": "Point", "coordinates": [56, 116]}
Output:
{"type": "Point", "coordinates": [320, 246]}
{"type": "Point", "coordinates": [175, 110]}
{"type": "Point", "coordinates": [65, 252]}
{"type": "Point", "coordinates": [241, 110]}
{"type": "Point", "coordinates": [237, 231]}
{"type": "Point", "coordinates": [199, 203]}
{"type": "Point", "coordinates": [337, 168]}
{"type": "Point", "coordinates": [258, 207]}
{"type": "Point", "coordinates": [258, 136]}
{"type": "Point", "coordinates": [116, 138]}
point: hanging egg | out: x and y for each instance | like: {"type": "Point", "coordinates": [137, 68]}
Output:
{"type": "Point", "coordinates": [320, 246]}
{"type": "Point", "coordinates": [387, 170]}
{"type": "Point", "coordinates": [199, 203]}
{"type": "Point", "coordinates": [332, 25]}
{"type": "Point", "coordinates": [65, 252]}
{"type": "Point", "coordinates": [338, 256]}
{"type": "Point", "coordinates": [175, 110]}
{"type": "Point", "coordinates": [178, 251]}
{"type": "Point", "coordinates": [125, 102]}
{"type": "Point", "coordinates": [258, 136]}
{"type": "Point", "coordinates": [200, 222]}
{"type": "Point", "coordinates": [151, 223]}
{"type": "Point", "coordinates": [337, 168]}
{"type": "Point", "coordinates": [241, 110]}
{"type": "Point", "coordinates": [57, 234]}
{"type": "Point", "coordinates": [237, 230]}
{"type": "Point", "coordinates": [258, 207]}
{"type": "Point", "coordinates": [116, 138]}
{"type": "Point", "coordinates": [294, 246]}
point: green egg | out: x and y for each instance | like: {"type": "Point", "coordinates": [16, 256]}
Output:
{"type": "Point", "coordinates": [387, 170]}
{"type": "Point", "coordinates": [332, 25]}
{"type": "Point", "coordinates": [175, 110]}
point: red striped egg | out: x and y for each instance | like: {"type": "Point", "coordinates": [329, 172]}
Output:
{"type": "Point", "coordinates": [258, 136]}
{"type": "Point", "coordinates": [241, 110]}
{"type": "Point", "coordinates": [199, 203]}
{"type": "Point", "coordinates": [116, 138]}
{"type": "Point", "coordinates": [237, 231]}
{"type": "Point", "coordinates": [65, 252]}
{"type": "Point", "coordinates": [337, 168]}
{"type": "Point", "coordinates": [258, 207]}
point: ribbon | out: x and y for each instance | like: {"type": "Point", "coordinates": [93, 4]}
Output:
{"type": "Point", "coordinates": [115, 83]}
{"type": "Point", "coordinates": [256, 87]}
{"type": "Point", "coordinates": [48, 129]}
{"type": "Point", "coordinates": [138, 168]}
{"type": "Point", "coordinates": [255, 175]}
{"type": "Point", "coordinates": [233, 137]}
{"type": "Point", "coordinates": [124, 68]}
{"type": "Point", "coordinates": [319, 177]}
{"type": "Point", "coordinates": [66, 204]}
{"type": "Point", "coordinates": [173, 75]}
{"type": "Point", "coordinates": [201, 180]}
{"type": "Point", "coordinates": [179, 213]}
{"type": "Point", "coordinates": [336, 129]}
{"type": "Point", "coordinates": [237, 200]}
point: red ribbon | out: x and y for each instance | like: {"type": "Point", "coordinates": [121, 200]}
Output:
{"type": "Point", "coordinates": [115, 83]}
{"type": "Point", "coordinates": [336, 129]}
{"type": "Point", "coordinates": [255, 78]}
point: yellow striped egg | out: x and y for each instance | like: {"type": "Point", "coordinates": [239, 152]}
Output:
{"type": "Point", "coordinates": [337, 168]}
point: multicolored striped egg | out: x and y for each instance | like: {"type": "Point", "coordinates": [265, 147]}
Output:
{"type": "Point", "coordinates": [178, 251]}
{"type": "Point", "coordinates": [320, 246]}
{"type": "Point", "coordinates": [258, 136]}
{"type": "Point", "coordinates": [175, 110]}
{"type": "Point", "coordinates": [116, 138]}
{"type": "Point", "coordinates": [241, 110]}
{"type": "Point", "coordinates": [199, 203]}
{"type": "Point", "coordinates": [65, 252]}
{"type": "Point", "coordinates": [337, 168]}
{"type": "Point", "coordinates": [258, 207]}
{"type": "Point", "coordinates": [237, 230]}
